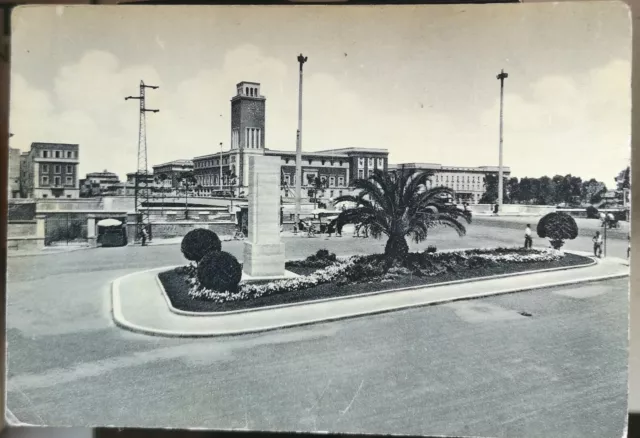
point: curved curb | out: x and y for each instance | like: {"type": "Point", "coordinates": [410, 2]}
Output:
{"type": "Point", "coordinates": [122, 322]}
{"type": "Point", "coordinates": [362, 295]}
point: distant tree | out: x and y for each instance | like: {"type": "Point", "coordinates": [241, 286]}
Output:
{"type": "Point", "coordinates": [544, 192]}
{"type": "Point", "coordinates": [513, 190]}
{"type": "Point", "coordinates": [490, 195]}
{"type": "Point", "coordinates": [591, 191]}
{"type": "Point", "coordinates": [525, 190]}
{"type": "Point", "coordinates": [623, 180]}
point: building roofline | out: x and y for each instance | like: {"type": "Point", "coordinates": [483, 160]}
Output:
{"type": "Point", "coordinates": [356, 150]}
{"type": "Point", "coordinates": [53, 143]}
{"type": "Point", "coordinates": [248, 82]}
{"type": "Point", "coordinates": [215, 154]}
{"type": "Point", "coordinates": [169, 163]}
{"type": "Point", "coordinates": [445, 167]}
{"type": "Point", "coordinates": [312, 153]}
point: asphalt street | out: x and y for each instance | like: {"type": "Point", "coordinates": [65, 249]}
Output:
{"type": "Point", "coordinates": [468, 368]}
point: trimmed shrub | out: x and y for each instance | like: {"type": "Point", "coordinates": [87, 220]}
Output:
{"type": "Point", "coordinates": [557, 227]}
{"type": "Point", "coordinates": [321, 259]}
{"type": "Point", "coordinates": [219, 271]}
{"type": "Point", "coordinates": [198, 243]}
{"type": "Point", "coordinates": [592, 212]}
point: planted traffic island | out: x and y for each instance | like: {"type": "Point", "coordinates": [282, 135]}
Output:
{"type": "Point", "coordinates": [324, 276]}
{"type": "Point", "coordinates": [396, 205]}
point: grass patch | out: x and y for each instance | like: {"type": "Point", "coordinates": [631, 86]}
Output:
{"type": "Point", "coordinates": [175, 284]}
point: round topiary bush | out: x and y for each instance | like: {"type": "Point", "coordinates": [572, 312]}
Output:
{"type": "Point", "coordinates": [198, 243]}
{"type": "Point", "coordinates": [220, 271]}
{"type": "Point", "coordinates": [592, 212]}
{"type": "Point", "coordinates": [557, 227]}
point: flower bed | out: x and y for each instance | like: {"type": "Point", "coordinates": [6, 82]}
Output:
{"type": "Point", "coordinates": [357, 275]}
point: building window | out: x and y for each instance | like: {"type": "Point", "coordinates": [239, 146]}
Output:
{"type": "Point", "coordinates": [69, 168]}
{"type": "Point", "coordinates": [331, 194]}
{"type": "Point", "coordinates": [45, 168]}
{"type": "Point", "coordinates": [369, 173]}
{"type": "Point", "coordinates": [45, 154]}
{"type": "Point", "coordinates": [69, 154]}
{"type": "Point", "coordinates": [45, 180]}
{"type": "Point", "coordinates": [56, 168]}
{"type": "Point", "coordinates": [370, 163]}
{"type": "Point", "coordinates": [287, 179]}
{"type": "Point", "coordinates": [360, 173]}
{"type": "Point", "coordinates": [58, 154]}
{"type": "Point", "coordinates": [44, 196]}
{"type": "Point", "coordinates": [380, 163]}
{"type": "Point", "coordinates": [69, 181]}
{"type": "Point", "coordinates": [56, 181]}
{"type": "Point", "coordinates": [341, 181]}
{"type": "Point", "coordinates": [332, 181]}
{"type": "Point", "coordinates": [361, 162]}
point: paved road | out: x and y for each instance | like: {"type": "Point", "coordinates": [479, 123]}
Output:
{"type": "Point", "coordinates": [561, 372]}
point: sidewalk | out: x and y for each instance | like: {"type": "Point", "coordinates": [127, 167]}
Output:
{"type": "Point", "coordinates": [48, 250]}
{"type": "Point", "coordinates": [139, 303]}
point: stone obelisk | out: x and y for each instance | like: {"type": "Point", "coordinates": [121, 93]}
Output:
{"type": "Point", "coordinates": [263, 250]}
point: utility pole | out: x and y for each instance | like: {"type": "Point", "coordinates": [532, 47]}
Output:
{"type": "Point", "coordinates": [301, 61]}
{"type": "Point", "coordinates": [501, 77]}
{"type": "Point", "coordinates": [142, 189]}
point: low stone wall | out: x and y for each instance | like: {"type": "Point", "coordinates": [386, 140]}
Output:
{"type": "Point", "coordinates": [25, 235]}
{"type": "Point", "coordinates": [21, 228]}
{"type": "Point", "coordinates": [512, 209]}
{"type": "Point", "coordinates": [167, 230]}
{"type": "Point", "coordinates": [46, 205]}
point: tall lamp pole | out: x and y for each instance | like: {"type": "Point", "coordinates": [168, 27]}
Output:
{"type": "Point", "coordinates": [220, 162]}
{"type": "Point", "coordinates": [301, 61]}
{"type": "Point", "coordinates": [501, 77]}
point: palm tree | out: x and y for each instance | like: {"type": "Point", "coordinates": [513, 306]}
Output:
{"type": "Point", "coordinates": [187, 179]}
{"type": "Point", "coordinates": [398, 205]}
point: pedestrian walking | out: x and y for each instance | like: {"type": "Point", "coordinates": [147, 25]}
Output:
{"type": "Point", "coordinates": [145, 236]}
{"type": "Point", "coordinates": [528, 241]}
{"type": "Point", "coordinates": [628, 246]}
{"type": "Point", "coordinates": [597, 244]}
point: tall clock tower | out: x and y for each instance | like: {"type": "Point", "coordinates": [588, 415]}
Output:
{"type": "Point", "coordinates": [247, 117]}
{"type": "Point", "coordinates": [247, 127]}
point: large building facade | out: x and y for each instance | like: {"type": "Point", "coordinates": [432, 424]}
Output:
{"type": "Point", "coordinates": [50, 170]}
{"type": "Point", "coordinates": [172, 172]}
{"type": "Point", "coordinates": [467, 182]}
{"type": "Point", "coordinates": [325, 174]}
{"type": "Point", "coordinates": [13, 172]}
{"type": "Point", "coordinates": [99, 184]}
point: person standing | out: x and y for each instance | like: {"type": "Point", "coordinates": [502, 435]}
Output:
{"type": "Point", "coordinates": [597, 245]}
{"type": "Point", "coordinates": [628, 246]}
{"type": "Point", "coordinates": [528, 241]}
{"type": "Point", "coordinates": [145, 236]}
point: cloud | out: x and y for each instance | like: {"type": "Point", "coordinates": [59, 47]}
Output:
{"type": "Point", "coordinates": [579, 125]}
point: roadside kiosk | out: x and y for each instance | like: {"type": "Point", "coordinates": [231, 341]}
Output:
{"type": "Point", "coordinates": [111, 232]}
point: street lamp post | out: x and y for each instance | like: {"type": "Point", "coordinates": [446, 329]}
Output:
{"type": "Point", "coordinates": [220, 162]}
{"type": "Point", "coordinates": [501, 77]}
{"type": "Point", "coordinates": [301, 61]}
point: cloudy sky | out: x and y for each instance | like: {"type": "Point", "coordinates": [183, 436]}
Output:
{"type": "Point", "coordinates": [419, 81]}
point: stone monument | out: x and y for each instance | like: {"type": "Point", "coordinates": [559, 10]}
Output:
{"type": "Point", "coordinates": [263, 250]}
